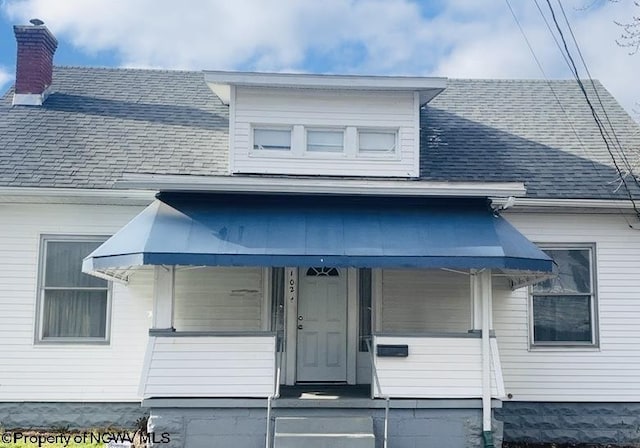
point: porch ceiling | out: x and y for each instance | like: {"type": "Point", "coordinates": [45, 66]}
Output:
{"type": "Point", "coordinates": [270, 230]}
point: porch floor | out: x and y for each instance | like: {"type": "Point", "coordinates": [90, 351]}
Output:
{"type": "Point", "coordinates": [325, 391]}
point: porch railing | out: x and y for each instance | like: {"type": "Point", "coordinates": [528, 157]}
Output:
{"type": "Point", "coordinates": [436, 366]}
{"type": "Point", "coordinates": [276, 394]}
{"type": "Point", "coordinates": [209, 365]}
{"type": "Point", "coordinates": [380, 394]}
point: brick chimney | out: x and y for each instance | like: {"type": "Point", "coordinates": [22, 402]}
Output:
{"type": "Point", "coordinates": [34, 65]}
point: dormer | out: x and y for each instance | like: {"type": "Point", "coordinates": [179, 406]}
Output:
{"type": "Point", "coordinates": [329, 125]}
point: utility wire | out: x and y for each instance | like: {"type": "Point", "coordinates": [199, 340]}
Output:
{"type": "Point", "coordinates": [594, 113]}
{"type": "Point", "coordinates": [535, 57]}
{"type": "Point", "coordinates": [555, 39]}
{"type": "Point", "coordinates": [593, 85]}
{"type": "Point", "coordinates": [546, 78]}
{"type": "Point", "coordinates": [566, 59]}
{"type": "Point", "coordinates": [574, 71]}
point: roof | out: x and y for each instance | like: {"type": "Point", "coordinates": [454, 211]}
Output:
{"type": "Point", "coordinates": [515, 130]}
{"type": "Point", "coordinates": [99, 123]}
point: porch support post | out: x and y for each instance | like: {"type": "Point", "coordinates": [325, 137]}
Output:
{"type": "Point", "coordinates": [291, 319]}
{"type": "Point", "coordinates": [476, 300]}
{"type": "Point", "coordinates": [352, 324]}
{"type": "Point", "coordinates": [163, 297]}
{"type": "Point", "coordinates": [486, 296]}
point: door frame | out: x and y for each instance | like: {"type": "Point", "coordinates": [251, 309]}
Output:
{"type": "Point", "coordinates": [291, 276]}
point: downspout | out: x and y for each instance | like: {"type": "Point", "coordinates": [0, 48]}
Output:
{"type": "Point", "coordinates": [486, 298]}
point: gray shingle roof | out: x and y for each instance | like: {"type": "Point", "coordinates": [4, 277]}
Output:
{"type": "Point", "coordinates": [515, 130]}
{"type": "Point", "coordinates": [100, 123]}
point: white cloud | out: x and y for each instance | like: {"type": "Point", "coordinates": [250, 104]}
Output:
{"type": "Point", "coordinates": [496, 47]}
{"type": "Point", "coordinates": [223, 34]}
{"type": "Point", "coordinates": [5, 77]}
{"type": "Point", "coordinates": [455, 38]}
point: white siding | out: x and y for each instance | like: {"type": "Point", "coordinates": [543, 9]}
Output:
{"type": "Point", "coordinates": [425, 300]}
{"type": "Point", "coordinates": [218, 299]}
{"type": "Point", "coordinates": [71, 372]}
{"type": "Point", "coordinates": [211, 366]}
{"type": "Point", "coordinates": [436, 368]}
{"type": "Point", "coordinates": [609, 373]}
{"type": "Point", "coordinates": [413, 301]}
{"type": "Point", "coordinates": [324, 108]}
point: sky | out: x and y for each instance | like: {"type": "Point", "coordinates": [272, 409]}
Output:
{"type": "Point", "coordinates": [452, 38]}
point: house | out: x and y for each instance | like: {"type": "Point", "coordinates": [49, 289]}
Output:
{"type": "Point", "coordinates": [257, 259]}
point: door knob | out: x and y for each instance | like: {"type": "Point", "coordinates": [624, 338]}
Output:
{"type": "Point", "coordinates": [300, 327]}
{"type": "Point", "coordinates": [299, 317]}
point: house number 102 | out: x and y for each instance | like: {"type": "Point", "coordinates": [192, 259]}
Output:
{"type": "Point", "coordinates": [291, 284]}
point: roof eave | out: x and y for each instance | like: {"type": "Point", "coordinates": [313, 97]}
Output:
{"type": "Point", "coordinates": [319, 185]}
{"type": "Point", "coordinates": [428, 87]}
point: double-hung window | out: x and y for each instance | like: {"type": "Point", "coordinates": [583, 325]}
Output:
{"type": "Point", "coordinates": [73, 306]}
{"type": "Point", "coordinates": [563, 308]}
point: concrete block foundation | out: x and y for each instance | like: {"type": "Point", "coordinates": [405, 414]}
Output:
{"type": "Point", "coordinates": [605, 424]}
{"type": "Point", "coordinates": [46, 415]}
{"type": "Point", "coordinates": [246, 428]}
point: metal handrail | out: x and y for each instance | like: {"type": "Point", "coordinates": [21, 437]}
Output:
{"type": "Point", "coordinates": [380, 394]}
{"type": "Point", "coordinates": [270, 398]}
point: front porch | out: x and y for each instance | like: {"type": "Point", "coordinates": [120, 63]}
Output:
{"type": "Point", "coordinates": [423, 327]}
{"type": "Point", "coordinates": [229, 332]}
{"type": "Point", "coordinates": [400, 305]}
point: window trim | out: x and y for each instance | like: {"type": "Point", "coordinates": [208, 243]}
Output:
{"type": "Point", "coordinates": [270, 152]}
{"type": "Point", "coordinates": [299, 142]}
{"type": "Point", "coordinates": [594, 308]}
{"type": "Point", "coordinates": [38, 327]}
{"type": "Point", "coordinates": [377, 154]}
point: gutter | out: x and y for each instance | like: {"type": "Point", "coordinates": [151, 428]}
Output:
{"type": "Point", "coordinates": [319, 185]}
{"type": "Point", "coordinates": [612, 204]}
{"type": "Point", "coordinates": [141, 190]}
{"type": "Point", "coordinates": [76, 195]}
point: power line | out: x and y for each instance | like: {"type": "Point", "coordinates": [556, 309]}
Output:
{"type": "Point", "coordinates": [549, 84]}
{"type": "Point", "coordinates": [594, 113]}
{"type": "Point", "coordinates": [555, 39]}
{"type": "Point", "coordinates": [620, 147]}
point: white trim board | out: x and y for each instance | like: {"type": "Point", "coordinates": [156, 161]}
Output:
{"type": "Point", "coordinates": [428, 87]}
{"type": "Point", "coordinates": [521, 203]}
{"type": "Point", "coordinates": [76, 196]}
{"type": "Point", "coordinates": [320, 185]}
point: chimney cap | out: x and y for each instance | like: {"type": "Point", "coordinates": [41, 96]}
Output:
{"type": "Point", "coordinates": [36, 22]}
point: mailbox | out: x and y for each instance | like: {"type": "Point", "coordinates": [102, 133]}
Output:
{"type": "Point", "coordinates": [392, 351]}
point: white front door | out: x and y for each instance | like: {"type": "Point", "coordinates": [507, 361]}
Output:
{"type": "Point", "coordinates": [322, 325]}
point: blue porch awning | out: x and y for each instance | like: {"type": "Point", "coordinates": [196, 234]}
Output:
{"type": "Point", "coordinates": [262, 230]}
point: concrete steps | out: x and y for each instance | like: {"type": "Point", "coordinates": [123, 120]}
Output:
{"type": "Point", "coordinates": [324, 432]}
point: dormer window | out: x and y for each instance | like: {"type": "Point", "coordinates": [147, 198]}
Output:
{"type": "Point", "coordinates": [276, 139]}
{"type": "Point", "coordinates": [325, 140]}
{"type": "Point", "coordinates": [324, 125]}
{"type": "Point", "coordinates": [372, 142]}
